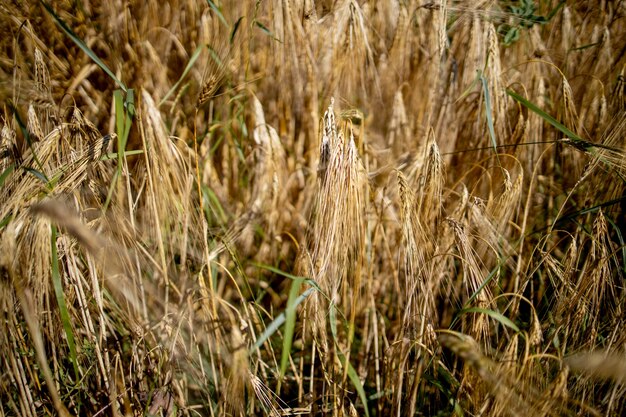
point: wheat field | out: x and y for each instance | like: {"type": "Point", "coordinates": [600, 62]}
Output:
{"type": "Point", "coordinates": [300, 207]}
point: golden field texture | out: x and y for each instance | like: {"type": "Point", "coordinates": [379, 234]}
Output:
{"type": "Point", "coordinates": [300, 207]}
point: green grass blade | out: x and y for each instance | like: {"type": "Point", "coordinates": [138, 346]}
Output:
{"type": "Point", "coordinates": [235, 29]}
{"type": "Point", "coordinates": [215, 56]}
{"type": "Point", "coordinates": [129, 106]}
{"type": "Point", "coordinates": [5, 174]}
{"type": "Point", "coordinates": [105, 206]}
{"type": "Point", "coordinates": [290, 325]}
{"type": "Point", "coordinates": [492, 132]}
{"type": "Point", "coordinates": [278, 271]}
{"type": "Point", "coordinates": [218, 12]}
{"type": "Point", "coordinates": [352, 375]}
{"type": "Point", "coordinates": [192, 61]}
{"type": "Point", "coordinates": [485, 282]}
{"type": "Point", "coordinates": [278, 321]}
{"type": "Point", "coordinates": [79, 42]}
{"type": "Point", "coordinates": [57, 283]}
{"type": "Point", "coordinates": [265, 30]}
{"type": "Point", "coordinates": [39, 175]}
{"type": "Point", "coordinates": [555, 10]}
{"type": "Point", "coordinates": [469, 89]}
{"type": "Point", "coordinates": [354, 378]}
{"type": "Point", "coordinates": [620, 237]}
{"type": "Point", "coordinates": [213, 208]}
{"type": "Point", "coordinates": [593, 208]}
{"type": "Point", "coordinates": [118, 101]}
{"type": "Point", "coordinates": [124, 112]}
{"type": "Point", "coordinates": [545, 116]}
{"type": "Point", "coordinates": [5, 221]}
{"type": "Point", "coordinates": [113, 155]}
{"type": "Point", "coordinates": [583, 47]}
{"type": "Point", "coordinates": [288, 275]}
{"type": "Point", "coordinates": [493, 314]}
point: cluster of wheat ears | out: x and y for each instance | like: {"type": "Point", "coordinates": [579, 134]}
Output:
{"type": "Point", "coordinates": [313, 207]}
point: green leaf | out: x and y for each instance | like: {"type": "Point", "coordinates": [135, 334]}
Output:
{"type": "Point", "coordinates": [124, 112]}
{"type": "Point", "coordinates": [618, 232]}
{"type": "Point", "coordinates": [6, 220]}
{"type": "Point", "coordinates": [113, 155]}
{"type": "Point", "coordinates": [555, 10]}
{"type": "Point", "coordinates": [265, 30]}
{"type": "Point", "coordinates": [278, 321]}
{"type": "Point", "coordinates": [57, 283]}
{"type": "Point", "coordinates": [218, 12]}
{"type": "Point", "coordinates": [5, 174]}
{"type": "Point", "coordinates": [290, 325]}
{"type": "Point", "coordinates": [492, 274]}
{"type": "Point", "coordinates": [215, 56]}
{"type": "Point", "coordinates": [288, 275]}
{"type": "Point", "coordinates": [493, 314]}
{"type": "Point", "coordinates": [116, 175]}
{"type": "Point", "coordinates": [126, 116]}
{"type": "Point", "coordinates": [545, 116]}
{"type": "Point", "coordinates": [129, 104]}
{"type": "Point", "coordinates": [492, 132]}
{"type": "Point", "coordinates": [592, 209]}
{"type": "Point", "coordinates": [332, 319]}
{"type": "Point", "coordinates": [40, 176]}
{"type": "Point", "coordinates": [79, 42]}
{"type": "Point", "coordinates": [511, 36]}
{"type": "Point", "coordinates": [235, 29]}
{"type": "Point", "coordinates": [354, 378]}
{"type": "Point", "coordinates": [118, 101]}
{"type": "Point", "coordinates": [583, 47]}
{"type": "Point", "coordinates": [213, 208]}
{"type": "Point", "coordinates": [470, 88]}
{"type": "Point", "coordinates": [192, 61]}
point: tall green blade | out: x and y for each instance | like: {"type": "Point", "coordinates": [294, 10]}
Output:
{"type": "Point", "coordinates": [69, 32]}
{"type": "Point", "coordinates": [57, 283]}
{"type": "Point", "coordinates": [545, 116]}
